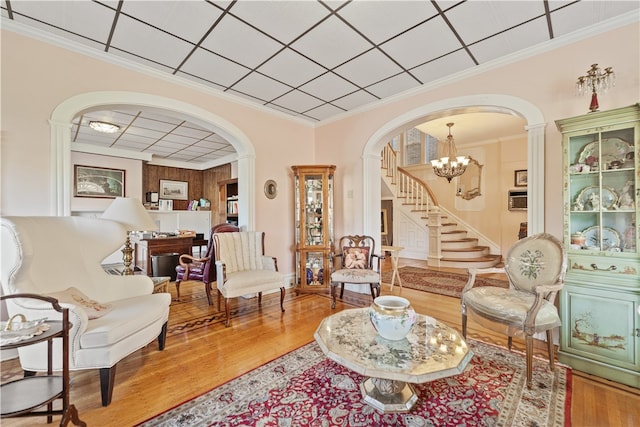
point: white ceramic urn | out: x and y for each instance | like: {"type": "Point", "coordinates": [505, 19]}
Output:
{"type": "Point", "coordinates": [392, 316]}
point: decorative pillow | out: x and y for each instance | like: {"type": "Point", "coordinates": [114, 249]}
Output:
{"type": "Point", "coordinates": [71, 295]}
{"type": "Point", "coordinates": [356, 257]}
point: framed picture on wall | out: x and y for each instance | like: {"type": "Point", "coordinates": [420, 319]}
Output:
{"type": "Point", "coordinates": [175, 190]}
{"type": "Point", "coordinates": [92, 181]}
{"type": "Point", "coordinates": [520, 178]}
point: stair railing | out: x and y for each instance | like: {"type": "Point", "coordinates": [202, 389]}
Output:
{"type": "Point", "coordinates": [418, 195]}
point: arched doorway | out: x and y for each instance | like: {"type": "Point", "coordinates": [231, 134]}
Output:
{"type": "Point", "coordinates": [62, 116]}
{"type": "Point", "coordinates": [478, 103]}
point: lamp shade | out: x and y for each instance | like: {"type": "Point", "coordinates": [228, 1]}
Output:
{"type": "Point", "coordinates": [130, 213]}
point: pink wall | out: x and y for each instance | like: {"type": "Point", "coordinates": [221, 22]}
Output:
{"type": "Point", "coordinates": [37, 77]}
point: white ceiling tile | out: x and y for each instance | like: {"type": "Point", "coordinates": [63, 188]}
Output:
{"type": "Point", "coordinates": [510, 41]}
{"type": "Point", "coordinates": [354, 100]}
{"type": "Point", "coordinates": [143, 61]}
{"type": "Point", "coordinates": [328, 87]}
{"type": "Point", "coordinates": [188, 129]}
{"type": "Point", "coordinates": [291, 67]}
{"type": "Point", "coordinates": [245, 96]}
{"type": "Point", "coordinates": [241, 43]}
{"type": "Point", "coordinates": [369, 68]}
{"type": "Point", "coordinates": [201, 80]}
{"type": "Point", "coordinates": [189, 20]}
{"type": "Point", "coordinates": [324, 112]}
{"type": "Point", "coordinates": [381, 20]}
{"type": "Point", "coordinates": [585, 13]}
{"type": "Point", "coordinates": [213, 68]}
{"type": "Point", "coordinates": [88, 19]}
{"type": "Point", "coordinates": [297, 101]}
{"type": "Point", "coordinates": [146, 123]}
{"type": "Point", "coordinates": [442, 67]}
{"type": "Point", "coordinates": [393, 85]}
{"type": "Point", "coordinates": [177, 139]}
{"type": "Point", "coordinates": [261, 87]}
{"type": "Point", "coordinates": [147, 42]}
{"type": "Point", "coordinates": [284, 21]}
{"type": "Point", "coordinates": [331, 43]}
{"type": "Point", "coordinates": [423, 43]}
{"type": "Point", "coordinates": [493, 16]}
{"type": "Point", "coordinates": [130, 144]}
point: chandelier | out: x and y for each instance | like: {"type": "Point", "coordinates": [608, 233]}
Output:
{"type": "Point", "coordinates": [598, 81]}
{"type": "Point", "coordinates": [451, 165]}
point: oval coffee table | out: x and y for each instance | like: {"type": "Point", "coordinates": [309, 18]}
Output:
{"type": "Point", "coordinates": [432, 350]}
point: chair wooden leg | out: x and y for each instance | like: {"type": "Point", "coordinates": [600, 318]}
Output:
{"type": "Point", "coordinates": [550, 349]}
{"type": "Point", "coordinates": [510, 343]}
{"type": "Point", "coordinates": [107, 378]}
{"type": "Point", "coordinates": [259, 298]}
{"type": "Point", "coordinates": [207, 290]}
{"type": "Point", "coordinates": [341, 290]}
{"type": "Point", "coordinates": [529, 354]}
{"type": "Point", "coordinates": [227, 310]}
{"type": "Point", "coordinates": [178, 289]}
{"type": "Point", "coordinates": [219, 298]}
{"type": "Point", "coordinates": [333, 295]}
{"type": "Point", "coordinates": [282, 293]}
{"type": "Point", "coordinates": [464, 325]}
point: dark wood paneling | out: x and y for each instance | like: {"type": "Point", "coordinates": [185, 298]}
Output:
{"type": "Point", "coordinates": [202, 184]}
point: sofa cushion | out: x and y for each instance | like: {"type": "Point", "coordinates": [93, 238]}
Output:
{"type": "Point", "coordinates": [74, 296]}
{"type": "Point", "coordinates": [127, 317]}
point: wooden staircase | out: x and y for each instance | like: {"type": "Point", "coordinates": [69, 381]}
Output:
{"type": "Point", "coordinates": [456, 248]}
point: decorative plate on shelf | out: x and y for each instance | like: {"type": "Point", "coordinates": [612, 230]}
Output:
{"type": "Point", "coordinates": [613, 149]}
{"type": "Point", "coordinates": [610, 238]}
{"type": "Point", "coordinates": [590, 198]}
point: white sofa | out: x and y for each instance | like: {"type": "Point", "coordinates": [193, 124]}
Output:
{"type": "Point", "coordinates": [45, 255]}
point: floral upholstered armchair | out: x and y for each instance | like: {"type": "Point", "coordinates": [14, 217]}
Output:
{"type": "Point", "coordinates": [535, 267]}
{"type": "Point", "coordinates": [359, 264]}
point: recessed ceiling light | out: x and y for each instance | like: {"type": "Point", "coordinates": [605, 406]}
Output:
{"type": "Point", "coordinates": [104, 127]}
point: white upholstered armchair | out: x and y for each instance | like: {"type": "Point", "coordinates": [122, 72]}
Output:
{"type": "Point", "coordinates": [536, 267]}
{"type": "Point", "coordinates": [112, 316]}
{"type": "Point", "coordinates": [243, 269]}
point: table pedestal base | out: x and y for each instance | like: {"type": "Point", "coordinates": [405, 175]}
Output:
{"type": "Point", "coordinates": [388, 395]}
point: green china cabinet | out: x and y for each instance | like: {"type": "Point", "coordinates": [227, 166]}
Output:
{"type": "Point", "coordinates": [600, 302]}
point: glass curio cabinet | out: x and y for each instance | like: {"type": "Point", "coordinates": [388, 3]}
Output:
{"type": "Point", "coordinates": [313, 226]}
{"type": "Point", "coordinates": [600, 302]}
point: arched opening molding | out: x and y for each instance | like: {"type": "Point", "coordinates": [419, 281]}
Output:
{"type": "Point", "coordinates": [473, 103]}
{"type": "Point", "coordinates": [60, 123]}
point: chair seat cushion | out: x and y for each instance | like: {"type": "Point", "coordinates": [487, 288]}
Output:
{"type": "Point", "coordinates": [250, 281]}
{"type": "Point", "coordinates": [511, 306]}
{"type": "Point", "coordinates": [126, 317]}
{"type": "Point", "coordinates": [355, 275]}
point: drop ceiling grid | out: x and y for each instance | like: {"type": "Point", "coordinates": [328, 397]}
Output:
{"type": "Point", "coordinates": [311, 59]}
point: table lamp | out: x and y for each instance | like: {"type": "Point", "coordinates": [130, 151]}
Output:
{"type": "Point", "coordinates": [130, 213]}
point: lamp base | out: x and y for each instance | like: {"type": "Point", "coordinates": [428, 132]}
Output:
{"type": "Point", "coordinates": [127, 257]}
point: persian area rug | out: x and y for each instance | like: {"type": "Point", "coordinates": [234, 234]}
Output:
{"type": "Point", "coordinates": [304, 388]}
{"type": "Point", "coordinates": [438, 282]}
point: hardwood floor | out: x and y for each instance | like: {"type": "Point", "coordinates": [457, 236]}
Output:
{"type": "Point", "coordinates": [201, 354]}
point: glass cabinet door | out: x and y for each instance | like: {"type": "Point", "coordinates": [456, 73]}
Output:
{"type": "Point", "coordinates": [602, 190]}
{"type": "Point", "coordinates": [313, 226]}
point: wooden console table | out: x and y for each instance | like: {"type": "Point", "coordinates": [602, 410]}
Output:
{"type": "Point", "coordinates": [145, 248]}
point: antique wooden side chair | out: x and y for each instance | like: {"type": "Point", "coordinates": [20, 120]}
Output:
{"type": "Point", "coordinates": [359, 264]}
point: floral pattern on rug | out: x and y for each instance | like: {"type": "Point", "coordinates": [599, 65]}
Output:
{"type": "Point", "coordinates": [304, 388]}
